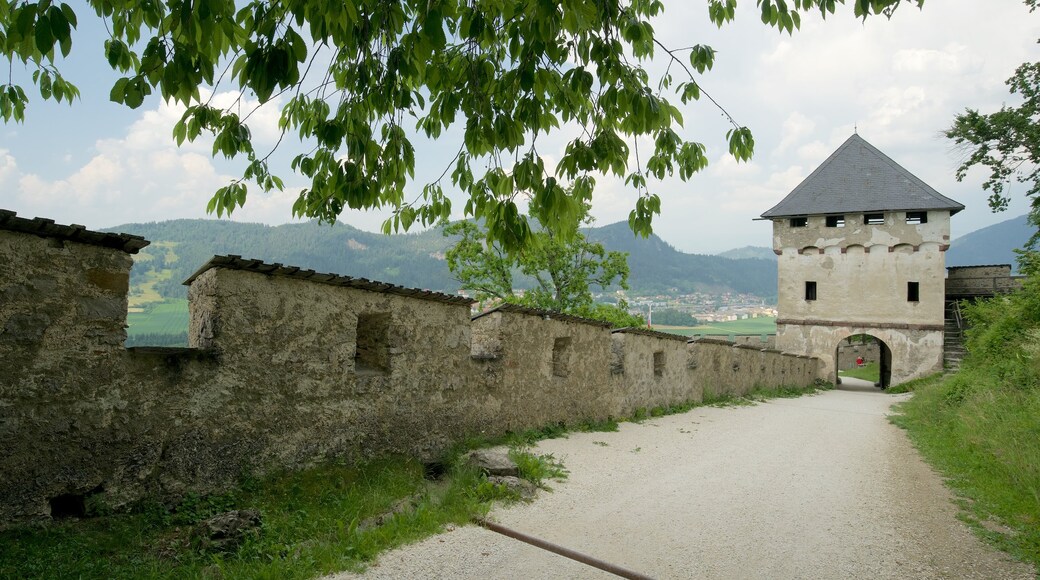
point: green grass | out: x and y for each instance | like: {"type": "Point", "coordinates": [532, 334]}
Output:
{"type": "Point", "coordinates": [760, 325]}
{"type": "Point", "coordinates": [980, 427]}
{"type": "Point", "coordinates": [986, 442]}
{"type": "Point", "coordinates": [167, 317]}
{"type": "Point", "coordinates": [310, 525]}
{"type": "Point", "coordinates": [868, 372]}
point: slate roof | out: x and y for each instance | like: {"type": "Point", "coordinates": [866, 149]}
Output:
{"type": "Point", "coordinates": [859, 178]}
{"type": "Point", "coordinates": [260, 267]}
{"type": "Point", "coordinates": [46, 228]}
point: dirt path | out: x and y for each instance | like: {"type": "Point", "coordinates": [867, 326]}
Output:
{"type": "Point", "coordinates": [816, 487]}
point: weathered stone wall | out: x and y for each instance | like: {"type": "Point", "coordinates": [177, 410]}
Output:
{"type": "Point", "coordinates": [756, 340]}
{"type": "Point", "coordinates": [974, 281]}
{"type": "Point", "coordinates": [650, 370]}
{"type": "Point", "coordinates": [287, 371]}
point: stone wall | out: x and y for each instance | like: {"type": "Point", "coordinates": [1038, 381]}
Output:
{"type": "Point", "coordinates": [757, 340]}
{"type": "Point", "coordinates": [963, 282]}
{"type": "Point", "coordinates": [289, 367]}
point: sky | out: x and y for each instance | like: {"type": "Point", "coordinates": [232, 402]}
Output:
{"type": "Point", "coordinates": [898, 83]}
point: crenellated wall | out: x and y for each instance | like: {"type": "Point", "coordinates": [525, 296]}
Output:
{"type": "Point", "coordinates": [288, 367]}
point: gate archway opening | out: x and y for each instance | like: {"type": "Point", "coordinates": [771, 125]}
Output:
{"type": "Point", "coordinates": [864, 357]}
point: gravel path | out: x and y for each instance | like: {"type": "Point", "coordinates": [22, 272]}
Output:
{"type": "Point", "coordinates": [817, 487]}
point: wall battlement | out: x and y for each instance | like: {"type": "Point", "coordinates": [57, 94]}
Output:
{"type": "Point", "coordinates": [288, 367]}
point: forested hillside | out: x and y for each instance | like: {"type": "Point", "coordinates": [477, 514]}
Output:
{"type": "Point", "coordinates": [657, 267]}
{"type": "Point", "coordinates": [182, 246]}
{"type": "Point", "coordinates": [995, 244]}
{"type": "Point", "coordinates": [416, 260]}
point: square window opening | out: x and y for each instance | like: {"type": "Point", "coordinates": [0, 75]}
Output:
{"type": "Point", "coordinates": [659, 363]}
{"type": "Point", "coordinates": [372, 350]}
{"type": "Point", "coordinates": [874, 219]}
{"type": "Point", "coordinates": [835, 221]}
{"type": "Point", "coordinates": [561, 356]}
{"type": "Point", "coordinates": [913, 291]}
{"type": "Point", "coordinates": [916, 217]}
{"type": "Point", "coordinates": [799, 222]}
{"type": "Point", "coordinates": [810, 290]}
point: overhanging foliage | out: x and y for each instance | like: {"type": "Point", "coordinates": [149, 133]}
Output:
{"type": "Point", "coordinates": [363, 78]}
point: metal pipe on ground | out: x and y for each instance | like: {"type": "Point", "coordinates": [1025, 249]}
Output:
{"type": "Point", "coordinates": [565, 552]}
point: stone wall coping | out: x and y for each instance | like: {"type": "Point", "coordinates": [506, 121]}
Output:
{"type": "Point", "coordinates": [233, 262]}
{"type": "Point", "coordinates": [46, 228]}
{"type": "Point", "coordinates": [750, 347]}
{"type": "Point", "coordinates": [545, 314]}
{"type": "Point", "coordinates": [1008, 266]}
{"type": "Point", "coordinates": [649, 332]}
{"type": "Point", "coordinates": [712, 341]}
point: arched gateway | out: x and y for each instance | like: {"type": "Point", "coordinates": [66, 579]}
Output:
{"type": "Point", "coordinates": [861, 245]}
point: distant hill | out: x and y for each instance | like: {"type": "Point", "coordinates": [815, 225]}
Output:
{"type": "Point", "coordinates": [991, 245]}
{"type": "Point", "coordinates": [657, 267]}
{"type": "Point", "coordinates": [759, 252]}
{"type": "Point", "coordinates": [182, 246]}
{"type": "Point", "coordinates": [416, 260]}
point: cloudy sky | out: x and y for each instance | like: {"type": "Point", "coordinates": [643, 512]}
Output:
{"type": "Point", "coordinates": [897, 82]}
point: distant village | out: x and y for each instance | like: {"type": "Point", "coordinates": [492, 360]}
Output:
{"type": "Point", "coordinates": [705, 307]}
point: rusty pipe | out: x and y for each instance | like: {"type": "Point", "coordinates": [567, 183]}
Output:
{"type": "Point", "coordinates": [565, 552]}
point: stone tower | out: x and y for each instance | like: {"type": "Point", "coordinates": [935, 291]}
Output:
{"type": "Point", "coordinates": [861, 245]}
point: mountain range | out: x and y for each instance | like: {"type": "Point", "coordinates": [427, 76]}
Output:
{"type": "Point", "coordinates": [995, 244]}
{"type": "Point", "coordinates": [417, 259]}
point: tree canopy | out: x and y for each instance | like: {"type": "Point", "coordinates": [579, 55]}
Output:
{"type": "Point", "coordinates": [364, 78]}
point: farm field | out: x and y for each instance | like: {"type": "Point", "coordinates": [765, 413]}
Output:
{"type": "Point", "coordinates": [760, 325]}
{"type": "Point", "coordinates": [167, 317]}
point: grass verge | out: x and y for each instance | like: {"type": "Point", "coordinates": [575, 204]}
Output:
{"type": "Point", "coordinates": [868, 372]}
{"type": "Point", "coordinates": [986, 443]}
{"type": "Point", "coordinates": [327, 519]}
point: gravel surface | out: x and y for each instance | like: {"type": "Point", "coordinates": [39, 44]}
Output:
{"type": "Point", "coordinates": [817, 487]}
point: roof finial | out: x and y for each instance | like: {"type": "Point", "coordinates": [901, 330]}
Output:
{"type": "Point", "coordinates": [855, 128]}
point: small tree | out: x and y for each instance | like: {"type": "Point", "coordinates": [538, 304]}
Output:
{"type": "Point", "coordinates": [564, 265]}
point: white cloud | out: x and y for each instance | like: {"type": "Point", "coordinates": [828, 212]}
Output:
{"type": "Point", "coordinates": [8, 167]}
{"type": "Point", "coordinates": [796, 128]}
{"type": "Point", "coordinates": [954, 58]}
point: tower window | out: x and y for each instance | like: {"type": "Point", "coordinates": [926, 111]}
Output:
{"type": "Point", "coordinates": [659, 363]}
{"type": "Point", "coordinates": [799, 222]}
{"type": "Point", "coordinates": [810, 290]}
{"type": "Point", "coordinates": [913, 291]}
{"type": "Point", "coordinates": [874, 219]}
{"type": "Point", "coordinates": [835, 221]}
{"type": "Point", "coordinates": [916, 217]}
